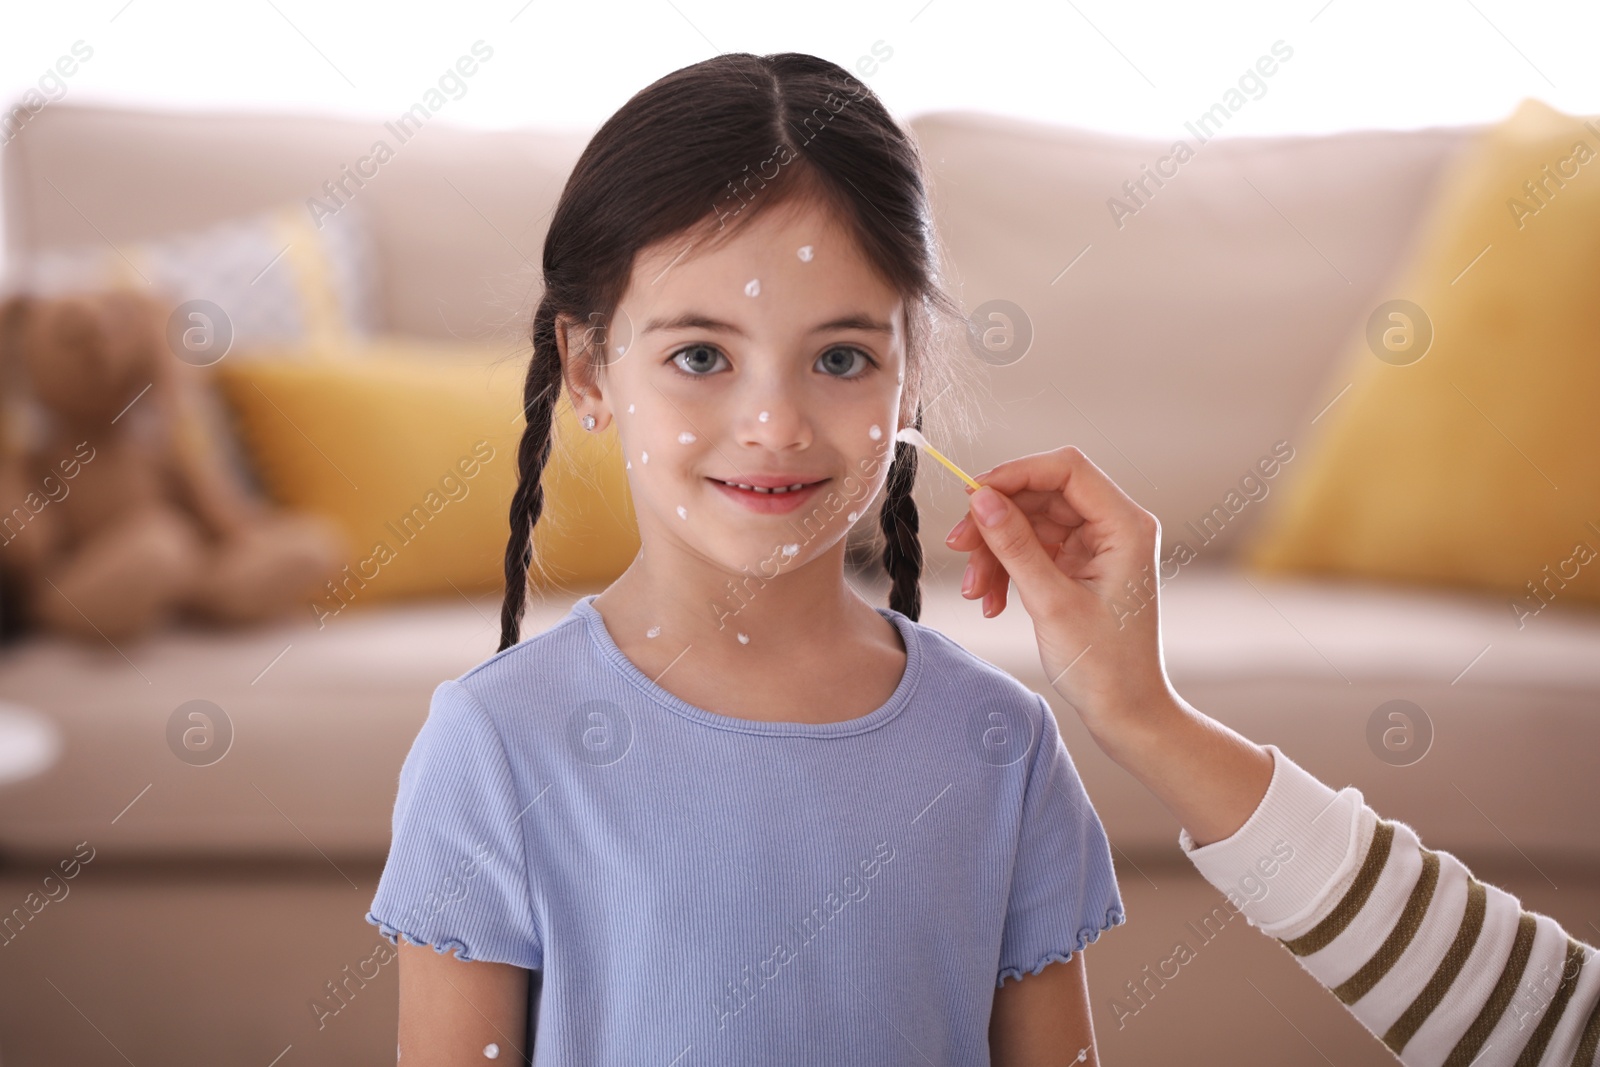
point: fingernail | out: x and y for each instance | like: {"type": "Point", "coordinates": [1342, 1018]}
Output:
{"type": "Point", "coordinates": [956, 531]}
{"type": "Point", "coordinates": [986, 502]}
{"type": "Point", "coordinates": [967, 580]}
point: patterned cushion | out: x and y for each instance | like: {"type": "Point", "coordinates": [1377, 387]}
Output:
{"type": "Point", "coordinates": [279, 278]}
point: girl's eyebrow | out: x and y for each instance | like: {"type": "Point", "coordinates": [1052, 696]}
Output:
{"type": "Point", "coordinates": [693, 320]}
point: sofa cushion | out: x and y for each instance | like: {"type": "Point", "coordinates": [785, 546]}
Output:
{"type": "Point", "coordinates": [457, 214]}
{"type": "Point", "coordinates": [322, 718]}
{"type": "Point", "coordinates": [1469, 456]}
{"type": "Point", "coordinates": [1179, 347]}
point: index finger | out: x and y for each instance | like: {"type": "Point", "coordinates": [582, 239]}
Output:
{"type": "Point", "coordinates": [1065, 473]}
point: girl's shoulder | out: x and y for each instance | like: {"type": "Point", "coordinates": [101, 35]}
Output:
{"type": "Point", "coordinates": [953, 672]}
{"type": "Point", "coordinates": [542, 663]}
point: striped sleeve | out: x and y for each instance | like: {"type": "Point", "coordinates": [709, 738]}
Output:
{"type": "Point", "coordinates": [1444, 970]}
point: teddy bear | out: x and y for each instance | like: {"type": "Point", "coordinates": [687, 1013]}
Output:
{"type": "Point", "coordinates": [115, 516]}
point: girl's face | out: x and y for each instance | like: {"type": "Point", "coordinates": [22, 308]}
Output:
{"type": "Point", "coordinates": [773, 360]}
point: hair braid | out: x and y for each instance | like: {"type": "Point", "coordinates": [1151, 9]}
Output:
{"type": "Point", "coordinates": [902, 550]}
{"type": "Point", "coordinates": [539, 393]}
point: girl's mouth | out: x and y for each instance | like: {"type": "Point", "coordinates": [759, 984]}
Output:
{"type": "Point", "coordinates": [765, 501]}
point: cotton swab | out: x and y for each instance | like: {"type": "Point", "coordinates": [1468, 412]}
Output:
{"type": "Point", "coordinates": [911, 436]}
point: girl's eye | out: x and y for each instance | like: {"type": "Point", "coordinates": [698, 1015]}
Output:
{"type": "Point", "coordinates": [697, 360]}
{"type": "Point", "coordinates": [831, 362]}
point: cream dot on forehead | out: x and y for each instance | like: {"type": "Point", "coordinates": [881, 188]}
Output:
{"type": "Point", "coordinates": [644, 457]}
{"type": "Point", "coordinates": [875, 433]}
{"type": "Point", "coordinates": [630, 409]}
{"type": "Point", "coordinates": [790, 549]}
{"type": "Point", "coordinates": [491, 1051]}
{"type": "Point", "coordinates": [744, 639]}
{"type": "Point", "coordinates": [854, 515]}
{"type": "Point", "coordinates": [752, 287]}
{"type": "Point", "coordinates": [804, 253]}
{"type": "Point", "coordinates": [654, 631]}
{"type": "Point", "coordinates": [764, 416]}
{"type": "Point", "coordinates": [683, 513]}
{"type": "Point", "coordinates": [686, 438]}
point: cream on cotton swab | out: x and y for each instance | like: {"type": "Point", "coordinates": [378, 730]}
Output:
{"type": "Point", "coordinates": [911, 436]}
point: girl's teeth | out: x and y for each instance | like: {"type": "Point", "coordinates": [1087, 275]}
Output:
{"type": "Point", "coordinates": [759, 489]}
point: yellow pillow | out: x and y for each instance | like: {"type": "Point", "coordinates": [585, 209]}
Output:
{"type": "Point", "coordinates": [1477, 464]}
{"type": "Point", "coordinates": [412, 449]}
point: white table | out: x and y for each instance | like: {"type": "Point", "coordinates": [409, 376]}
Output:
{"type": "Point", "coordinates": [29, 743]}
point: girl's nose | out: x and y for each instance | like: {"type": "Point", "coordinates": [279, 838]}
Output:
{"type": "Point", "coordinates": [775, 422]}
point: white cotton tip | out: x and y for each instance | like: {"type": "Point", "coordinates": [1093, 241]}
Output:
{"type": "Point", "coordinates": [876, 432]}
{"type": "Point", "coordinates": [764, 416]}
{"type": "Point", "coordinates": [912, 436]}
{"type": "Point", "coordinates": [752, 287]}
{"type": "Point", "coordinates": [654, 631]}
{"type": "Point", "coordinates": [744, 639]}
{"type": "Point", "coordinates": [804, 253]}
{"type": "Point", "coordinates": [789, 550]}
{"type": "Point", "coordinates": [686, 438]}
{"type": "Point", "coordinates": [682, 512]}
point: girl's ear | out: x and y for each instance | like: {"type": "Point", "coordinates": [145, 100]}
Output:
{"type": "Point", "coordinates": [578, 343]}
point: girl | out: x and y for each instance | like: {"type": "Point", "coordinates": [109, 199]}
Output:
{"type": "Point", "coordinates": [727, 811]}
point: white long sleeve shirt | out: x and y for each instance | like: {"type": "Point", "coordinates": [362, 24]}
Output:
{"type": "Point", "coordinates": [1446, 971]}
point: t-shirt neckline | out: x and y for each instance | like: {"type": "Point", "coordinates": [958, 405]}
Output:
{"type": "Point", "coordinates": [596, 627]}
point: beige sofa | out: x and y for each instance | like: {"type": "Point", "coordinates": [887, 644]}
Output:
{"type": "Point", "coordinates": [1177, 349]}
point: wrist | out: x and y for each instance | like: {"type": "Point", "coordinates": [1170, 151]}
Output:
{"type": "Point", "coordinates": [1210, 777]}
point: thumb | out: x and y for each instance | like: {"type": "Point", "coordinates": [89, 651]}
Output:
{"type": "Point", "coordinates": [1012, 539]}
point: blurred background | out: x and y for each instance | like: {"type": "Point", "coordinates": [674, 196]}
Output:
{"type": "Point", "coordinates": [1314, 283]}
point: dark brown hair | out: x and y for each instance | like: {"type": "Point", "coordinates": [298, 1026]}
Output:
{"type": "Point", "coordinates": [692, 153]}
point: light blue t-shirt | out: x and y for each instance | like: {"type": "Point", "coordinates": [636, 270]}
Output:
{"type": "Point", "coordinates": [695, 888]}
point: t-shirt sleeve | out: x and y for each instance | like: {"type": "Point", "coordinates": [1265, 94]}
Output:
{"type": "Point", "coordinates": [1063, 885]}
{"type": "Point", "coordinates": [457, 874]}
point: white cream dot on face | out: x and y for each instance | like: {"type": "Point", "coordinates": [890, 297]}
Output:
{"type": "Point", "coordinates": [686, 438]}
{"type": "Point", "coordinates": [682, 512]}
{"type": "Point", "coordinates": [630, 409]}
{"type": "Point", "coordinates": [764, 416]}
{"type": "Point", "coordinates": [644, 457]}
{"type": "Point", "coordinates": [492, 1051]}
{"type": "Point", "coordinates": [789, 550]}
{"type": "Point", "coordinates": [854, 515]}
{"type": "Point", "coordinates": [875, 432]}
{"type": "Point", "coordinates": [744, 639]}
{"type": "Point", "coordinates": [630, 464]}
{"type": "Point", "coordinates": [752, 287]}
{"type": "Point", "coordinates": [804, 253]}
{"type": "Point", "coordinates": [654, 631]}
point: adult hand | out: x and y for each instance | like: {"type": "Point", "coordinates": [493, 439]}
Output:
{"type": "Point", "coordinates": [1085, 558]}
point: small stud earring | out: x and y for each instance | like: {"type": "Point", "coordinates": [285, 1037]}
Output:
{"type": "Point", "coordinates": [588, 422]}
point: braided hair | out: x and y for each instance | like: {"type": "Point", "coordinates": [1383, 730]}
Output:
{"type": "Point", "coordinates": [692, 155]}
{"type": "Point", "coordinates": [902, 548]}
